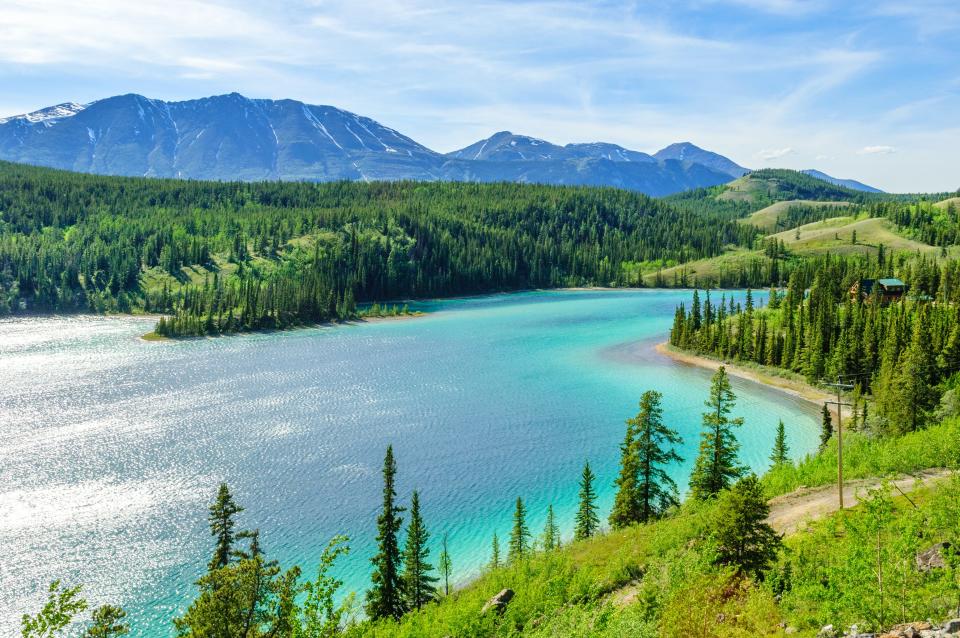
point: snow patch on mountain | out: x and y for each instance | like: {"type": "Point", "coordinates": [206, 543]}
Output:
{"type": "Point", "coordinates": [49, 115]}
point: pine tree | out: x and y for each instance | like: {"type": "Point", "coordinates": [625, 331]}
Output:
{"type": "Point", "coordinates": [915, 396]}
{"type": "Point", "coordinates": [445, 565]}
{"type": "Point", "coordinates": [587, 519]}
{"type": "Point", "coordinates": [744, 539]}
{"type": "Point", "coordinates": [717, 465]}
{"type": "Point", "coordinates": [826, 427]}
{"type": "Point", "coordinates": [221, 519]}
{"type": "Point", "coordinates": [495, 552]}
{"type": "Point", "coordinates": [551, 533]}
{"type": "Point", "coordinates": [626, 508]}
{"type": "Point", "coordinates": [520, 534]}
{"type": "Point", "coordinates": [780, 447]}
{"type": "Point", "coordinates": [385, 597]}
{"type": "Point", "coordinates": [656, 491]}
{"type": "Point", "coordinates": [418, 582]}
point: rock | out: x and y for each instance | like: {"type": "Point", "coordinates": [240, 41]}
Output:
{"type": "Point", "coordinates": [790, 630]}
{"type": "Point", "coordinates": [930, 633]}
{"type": "Point", "coordinates": [827, 631]}
{"type": "Point", "coordinates": [499, 602]}
{"type": "Point", "coordinates": [951, 626]}
{"type": "Point", "coordinates": [932, 558]}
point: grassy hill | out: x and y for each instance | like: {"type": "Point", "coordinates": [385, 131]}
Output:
{"type": "Point", "coordinates": [835, 236]}
{"type": "Point", "coordinates": [661, 579]}
{"type": "Point", "coordinates": [767, 186]}
{"type": "Point", "coordinates": [769, 219]}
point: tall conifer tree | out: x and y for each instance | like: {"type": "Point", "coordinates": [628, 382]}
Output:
{"type": "Point", "coordinates": [221, 518]}
{"type": "Point", "coordinates": [587, 519]}
{"type": "Point", "coordinates": [780, 452]}
{"type": "Point", "coordinates": [717, 464]}
{"type": "Point", "coordinates": [495, 552]}
{"type": "Point", "coordinates": [551, 532]}
{"type": "Point", "coordinates": [418, 582]}
{"type": "Point", "coordinates": [520, 534]}
{"type": "Point", "coordinates": [653, 447]}
{"type": "Point", "coordinates": [385, 597]}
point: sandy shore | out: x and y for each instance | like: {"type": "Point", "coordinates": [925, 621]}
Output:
{"type": "Point", "coordinates": [788, 386]}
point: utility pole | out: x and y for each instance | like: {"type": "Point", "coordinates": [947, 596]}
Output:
{"type": "Point", "coordinates": [839, 385]}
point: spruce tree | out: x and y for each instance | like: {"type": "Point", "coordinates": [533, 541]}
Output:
{"type": "Point", "coordinates": [385, 597]}
{"type": "Point", "coordinates": [587, 519]}
{"type": "Point", "coordinates": [653, 449]}
{"type": "Point", "coordinates": [717, 464]}
{"type": "Point", "coordinates": [626, 508]}
{"type": "Point", "coordinates": [418, 582]}
{"type": "Point", "coordinates": [445, 565]}
{"type": "Point", "coordinates": [495, 552]}
{"type": "Point", "coordinates": [221, 519]}
{"type": "Point", "coordinates": [780, 447]}
{"type": "Point", "coordinates": [826, 427]}
{"type": "Point", "coordinates": [551, 533]}
{"type": "Point", "coordinates": [520, 534]}
{"type": "Point", "coordinates": [744, 539]}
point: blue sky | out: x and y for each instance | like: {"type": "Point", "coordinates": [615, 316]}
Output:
{"type": "Point", "coordinates": [869, 90]}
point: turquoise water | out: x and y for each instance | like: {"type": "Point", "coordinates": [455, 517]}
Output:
{"type": "Point", "coordinates": [113, 447]}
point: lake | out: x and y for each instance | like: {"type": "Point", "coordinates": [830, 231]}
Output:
{"type": "Point", "coordinates": [113, 447]}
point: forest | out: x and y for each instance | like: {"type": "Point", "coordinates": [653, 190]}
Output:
{"type": "Point", "coordinates": [903, 355]}
{"type": "Point", "coordinates": [224, 257]}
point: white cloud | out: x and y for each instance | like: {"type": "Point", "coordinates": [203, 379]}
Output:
{"type": "Point", "coordinates": [768, 155]}
{"type": "Point", "coordinates": [876, 150]}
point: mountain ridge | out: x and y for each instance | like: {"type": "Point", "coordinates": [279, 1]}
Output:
{"type": "Point", "coordinates": [232, 137]}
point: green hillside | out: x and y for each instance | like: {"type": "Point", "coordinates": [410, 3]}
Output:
{"type": "Point", "coordinates": [224, 257]}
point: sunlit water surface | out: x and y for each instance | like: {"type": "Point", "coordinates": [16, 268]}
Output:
{"type": "Point", "coordinates": [112, 447]}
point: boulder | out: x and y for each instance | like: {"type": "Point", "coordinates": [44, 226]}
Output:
{"type": "Point", "coordinates": [498, 603]}
{"type": "Point", "coordinates": [827, 631]}
{"type": "Point", "coordinates": [951, 626]}
{"type": "Point", "coordinates": [932, 558]}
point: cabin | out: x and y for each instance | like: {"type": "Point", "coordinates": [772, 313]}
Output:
{"type": "Point", "coordinates": [886, 290]}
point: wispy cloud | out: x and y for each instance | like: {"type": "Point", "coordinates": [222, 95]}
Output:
{"type": "Point", "coordinates": [876, 150]}
{"type": "Point", "coordinates": [768, 155]}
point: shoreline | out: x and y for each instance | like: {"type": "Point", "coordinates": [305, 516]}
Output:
{"type": "Point", "coordinates": [792, 387]}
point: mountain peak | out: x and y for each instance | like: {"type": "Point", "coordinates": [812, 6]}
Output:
{"type": "Point", "coordinates": [690, 152]}
{"type": "Point", "coordinates": [49, 114]}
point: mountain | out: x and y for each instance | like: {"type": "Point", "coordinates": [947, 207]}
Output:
{"type": "Point", "coordinates": [231, 137]}
{"type": "Point", "coordinates": [849, 183]}
{"type": "Point", "coordinates": [505, 146]}
{"type": "Point", "coordinates": [687, 152]}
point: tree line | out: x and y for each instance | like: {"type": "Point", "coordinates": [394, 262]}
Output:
{"type": "Point", "coordinates": [222, 257]}
{"type": "Point", "coordinates": [903, 356]}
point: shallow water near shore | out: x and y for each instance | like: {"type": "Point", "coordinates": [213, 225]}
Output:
{"type": "Point", "coordinates": [112, 446]}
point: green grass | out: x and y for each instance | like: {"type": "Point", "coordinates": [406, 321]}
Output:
{"type": "Point", "coordinates": [766, 219]}
{"type": "Point", "coordinates": [944, 204]}
{"type": "Point", "coordinates": [835, 236]}
{"type": "Point", "coordinates": [866, 456]}
{"type": "Point", "coordinates": [660, 580]}
{"type": "Point", "coordinates": [713, 267]}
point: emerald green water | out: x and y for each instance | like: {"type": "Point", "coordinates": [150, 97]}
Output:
{"type": "Point", "coordinates": [113, 447]}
